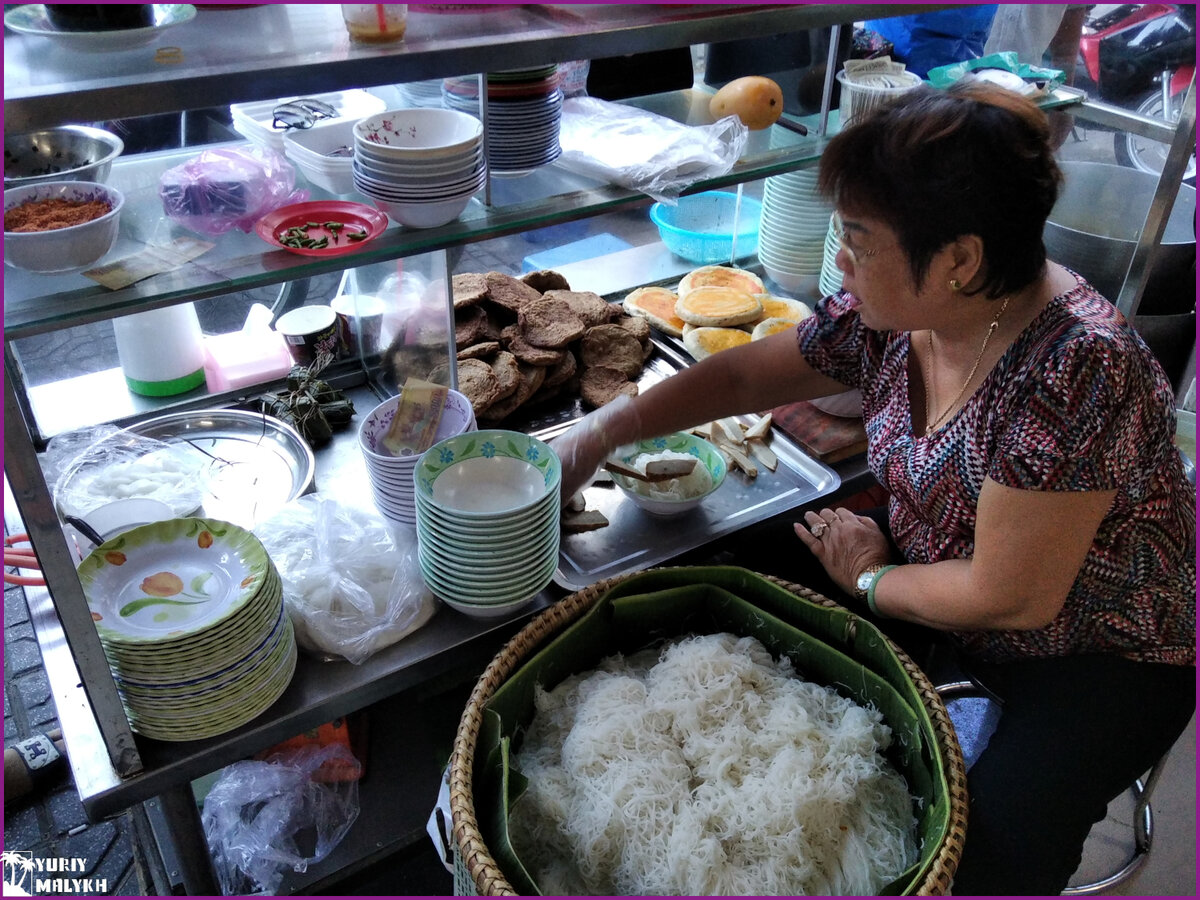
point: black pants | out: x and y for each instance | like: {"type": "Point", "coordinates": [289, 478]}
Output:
{"type": "Point", "coordinates": [1074, 732]}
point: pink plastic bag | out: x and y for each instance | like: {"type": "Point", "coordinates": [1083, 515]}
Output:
{"type": "Point", "coordinates": [228, 188]}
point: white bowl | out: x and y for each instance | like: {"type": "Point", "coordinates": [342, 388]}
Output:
{"type": "Point", "coordinates": [457, 418]}
{"type": "Point", "coordinates": [400, 190]}
{"type": "Point", "coordinates": [62, 249]}
{"type": "Point", "coordinates": [366, 156]}
{"type": "Point", "coordinates": [317, 142]}
{"type": "Point", "coordinates": [408, 133]}
{"type": "Point", "coordinates": [679, 442]}
{"type": "Point", "coordinates": [112, 519]}
{"type": "Point", "coordinates": [425, 215]}
{"type": "Point", "coordinates": [483, 485]}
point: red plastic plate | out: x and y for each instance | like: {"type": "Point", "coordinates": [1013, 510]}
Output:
{"type": "Point", "coordinates": [354, 217]}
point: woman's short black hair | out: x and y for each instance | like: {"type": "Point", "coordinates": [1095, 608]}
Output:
{"type": "Point", "coordinates": [940, 164]}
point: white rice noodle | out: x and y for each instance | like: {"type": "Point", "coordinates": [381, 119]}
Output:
{"type": "Point", "coordinates": [708, 768]}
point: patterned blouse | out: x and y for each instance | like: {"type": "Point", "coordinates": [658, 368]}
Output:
{"type": "Point", "coordinates": [1077, 403]}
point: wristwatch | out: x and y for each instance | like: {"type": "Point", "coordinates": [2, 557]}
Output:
{"type": "Point", "coordinates": [864, 580]}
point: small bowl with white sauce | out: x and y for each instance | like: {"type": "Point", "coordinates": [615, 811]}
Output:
{"type": "Point", "coordinates": [675, 495]}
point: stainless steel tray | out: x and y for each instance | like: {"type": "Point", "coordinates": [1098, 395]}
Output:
{"type": "Point", "coordinates": [635, 539]}
{"type": "Point", "coordinates": [251, 463]}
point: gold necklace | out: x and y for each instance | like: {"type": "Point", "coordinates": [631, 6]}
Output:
{"type": "Point", "coordinates": [930, 423]}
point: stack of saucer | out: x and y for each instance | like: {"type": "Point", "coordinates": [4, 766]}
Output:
{"type": "Point", "coordinates": [524, 110]}
{"type": "Point", "coordinates": [420, 166]}
{"type": "Point", "coordinates": [791, 237]}
{"type": "Point", "coordinates": [191, 618]}
{"type": "Point", "coordinates": [488, 520]}
{"type": "Point", "coordinates": [391, 476]}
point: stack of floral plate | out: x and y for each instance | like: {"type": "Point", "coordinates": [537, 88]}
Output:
{"type": "Point", "coordinates": [391, 474]}
{"type": "Point", "coordinates": [488, 520]}
{"type": "Point", "coordinates": [191, 617]}
{"type": "Point", "coordinates": [420, 166]}
{"type": "Point", "coordinates": [792, 231]}
{"type": "Point", "coordinates": [524, 110]}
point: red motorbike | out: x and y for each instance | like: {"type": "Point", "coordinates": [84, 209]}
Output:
{"type": "Point", "coordinates": [1141, 56]}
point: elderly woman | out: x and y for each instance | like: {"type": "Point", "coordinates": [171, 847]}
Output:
{"type": "Point", "coordinates": [1039, 516]}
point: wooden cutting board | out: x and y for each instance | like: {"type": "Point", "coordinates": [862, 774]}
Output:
{"type": "Point", "coordinates": [828, 438]}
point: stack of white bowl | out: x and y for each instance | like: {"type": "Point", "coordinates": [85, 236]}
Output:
{"type": "Point", "coordinates": [831, 275]}
{"type": "Point", "coordinates": [524, 109]}
{"type": "Point", "coordinates": [792, 231]}
{"type": "Point", "coordinates": [391, 476]}
{"type": "Point", "coordinates": [420, 166]}
{"type": "Point", "coordinates": [324, 153]}
{"type": "Point", "coordinates": [488, 520]}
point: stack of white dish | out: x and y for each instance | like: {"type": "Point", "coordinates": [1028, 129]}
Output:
{"type": "Point", "coordinates": [324, 153]}
{"type": "Point", "coordinates": [426, 94]}
{"type": "Point", "coordinates": [791, 234]}
{"type": "Point", "coordinates": [524, 112]}
{"type": "Point", "coordinates": [391, 476]}
{"type": "Point", "coordinates": [420, 166]}
{"type": "Point", "coordinates": [488, 520]}
{"type": "Point", "coordinates": [256, 121]}
{"type": "Point", "coordinates": [191, 618]}
{"type": "Point", "coordinates": [831, 275]}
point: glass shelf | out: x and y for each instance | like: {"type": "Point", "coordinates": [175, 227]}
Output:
{"type": "Point", "coordinates": [38, 303]}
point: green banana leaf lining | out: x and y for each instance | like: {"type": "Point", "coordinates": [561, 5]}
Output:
{"type": "Point", "coordinates": [829, 646]}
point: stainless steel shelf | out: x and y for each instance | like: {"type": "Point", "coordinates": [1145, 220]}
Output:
{"type": "Point", "coordinates": [276, 50]}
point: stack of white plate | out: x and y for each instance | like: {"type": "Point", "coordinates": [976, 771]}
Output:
{"type": "Point", "coordinates": [391, 476]}
{"type": "Point", "coordinates": [488, 520]}
{"type": "Point", "coordinates": [524, 109]}
{"type": "Point", "coordinates": [831, 275]}
{"type": "Point", "coordinates": [792, 231]}
{"type": "Point", "coordinates": [191, 618]}
{"type": "Point", "coordinates": [427, 94]}
{"type": "Point", "coordinates": [420, 166]}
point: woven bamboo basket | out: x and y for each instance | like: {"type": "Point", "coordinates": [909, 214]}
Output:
{"type": "Point", "coordinates": [476, 870]}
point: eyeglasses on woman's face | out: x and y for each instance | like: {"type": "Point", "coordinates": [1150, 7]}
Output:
{"type": "Point", "coordinates": [845, 239]}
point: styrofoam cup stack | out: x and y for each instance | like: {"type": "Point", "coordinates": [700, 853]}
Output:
{"type": "Point", "coordinates": [391, 476]}
{"type": "Point", "coordinates": [488, 528]}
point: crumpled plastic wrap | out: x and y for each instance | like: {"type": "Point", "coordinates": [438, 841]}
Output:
{"type": "Point", "coordinates": [352, 583]}
{"type": "Point", "coordinates": [226, 188]}
{"type": "Point", "coordinates": [644, 151]}
{"type": "Point", "coordinates": [263, 817]}
{"type": "Point", "coordinates": [94, 466]}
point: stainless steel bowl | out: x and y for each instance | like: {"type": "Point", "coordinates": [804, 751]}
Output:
{"type": "Point", "coordinates": [67, 153]}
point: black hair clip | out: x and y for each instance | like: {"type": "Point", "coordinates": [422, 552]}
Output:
{"type": "Point", "coordinates": [302, 113]}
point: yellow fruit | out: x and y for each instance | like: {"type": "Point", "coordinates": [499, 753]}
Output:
{"type": "Point", "coordinates": [756, 100]}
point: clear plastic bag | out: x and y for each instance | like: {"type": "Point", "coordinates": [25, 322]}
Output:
{"type": "Point", "coordinates": [95, 466]}
{"type": "Point", "coordinates": [351, 583]}
{"type": "Point", "coordinates": [644, 151]}
{"type": "Point", "coordinates": [262, 817]}
{"type": "Point", "coordinates": [228, 188]}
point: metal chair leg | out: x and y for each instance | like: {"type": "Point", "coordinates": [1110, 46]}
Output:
{"type": "Point", "coordinates": [1143, 819]}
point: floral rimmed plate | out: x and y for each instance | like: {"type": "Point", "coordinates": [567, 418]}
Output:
{"type": "Point", "coordinates": [171, 579]}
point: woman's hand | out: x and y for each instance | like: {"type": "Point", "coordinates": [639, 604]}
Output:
{"type": "Point", "coordinates": [844, 543]}
{"type": "Point", "coordinates": [583, 447]}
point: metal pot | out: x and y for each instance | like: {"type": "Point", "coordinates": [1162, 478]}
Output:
{"type": "Point", "coordinates": [67, 153]}
{"type": "Point", "coordinates": [1095, 225]}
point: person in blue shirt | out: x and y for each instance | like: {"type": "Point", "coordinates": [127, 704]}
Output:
{"type": "Point", "coordinates": [927, 40]}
